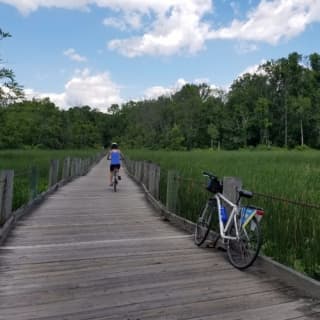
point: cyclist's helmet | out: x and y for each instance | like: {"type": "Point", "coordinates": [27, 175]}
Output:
{"type": "Point", "coordinates": [114, 145]}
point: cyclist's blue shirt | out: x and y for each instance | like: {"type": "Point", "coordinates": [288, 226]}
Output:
{"type": "Point", "coordinates": [115, 157]}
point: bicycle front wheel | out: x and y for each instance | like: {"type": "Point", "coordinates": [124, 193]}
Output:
{"type": "Point", "coordinates": [115, 182]}
{"type": "Point", "coordinates": [204, 222]}
{"type": "Point", "coordinates": [244, 251]}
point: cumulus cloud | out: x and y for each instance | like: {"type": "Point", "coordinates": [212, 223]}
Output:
{"type": "Point", "coordinates": [158, 91]}
{"type": "Point", "coordinates": [272, 21]}
{"type": "Point", "coordinates": [174, 26]}
{"type": "Point", "coordinates": [95, 90]}
{"type": "Point", "coordinates": [254, 69]}
{"type": "Point", "coordinates": [168, 27]}
{"type": "Point", "coordinates": [177, 28]}
{"type": "Point", "coordinates": [129, 21]}
{"type": "Point", "coordinates": [73, 55]}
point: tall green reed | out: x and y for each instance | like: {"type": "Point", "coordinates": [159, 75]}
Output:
{"type": "Point", "coordinates": [291, 232]}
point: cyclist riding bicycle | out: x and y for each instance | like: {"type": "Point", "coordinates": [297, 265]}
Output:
{"type": "Point", "coordinates": [115, 156]}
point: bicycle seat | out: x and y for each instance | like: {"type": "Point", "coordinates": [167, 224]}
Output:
{"type": "Point", "coordinates": [245, 193]}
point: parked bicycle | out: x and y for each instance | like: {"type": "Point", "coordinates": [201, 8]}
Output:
{"type": "Point", "coordinates": [240, 229]}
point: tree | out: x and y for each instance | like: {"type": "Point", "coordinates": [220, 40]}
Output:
{"type": "Point", "coordinates": [262, 112]}
{"type": "Point", "coordinates": [175, 138]}
{"type": "Point", "coordinates": [10, 90]}
{"type": "Point", "coordinates": [301, 106]}
{"type": "Point", "coordinates": [214, 135]}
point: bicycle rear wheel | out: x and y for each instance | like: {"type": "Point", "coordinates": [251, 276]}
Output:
{"type": "Point", "coordinates": [115, 182]}
{"type": "Point", "coordinates": [244, 251]}
{"type": "Point", "coordinates": [204, 222]}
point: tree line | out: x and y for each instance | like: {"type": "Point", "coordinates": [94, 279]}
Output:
{"type": "Point", "coordinates": [279, 106]}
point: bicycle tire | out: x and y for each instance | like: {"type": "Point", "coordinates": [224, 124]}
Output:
{"type": "Point", "coordinates": [115, 182]}
{"type": "Point", "coordinates": [204, 223]}
{"type": "Point", "coordinates": [243, 252]}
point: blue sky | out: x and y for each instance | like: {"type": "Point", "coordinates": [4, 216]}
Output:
{"type": "Point", "coordinates": [99, 52]}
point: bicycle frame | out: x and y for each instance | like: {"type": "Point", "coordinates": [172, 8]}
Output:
{"type": "Point", "coordinates": [231, 218]}
{"type": "Point", "coordinates": [239, 230]}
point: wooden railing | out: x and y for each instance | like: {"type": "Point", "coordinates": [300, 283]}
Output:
{"type": "Point", "coordinates": [71, 169]}
{"type": "Point", "coordinates": [146, 173]}
{"type": "Point", "coordinates": [149, 174]}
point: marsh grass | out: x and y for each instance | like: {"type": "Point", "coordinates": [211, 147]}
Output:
{"type": "Point", "coordinates": [291, 231]}
{"type": "Point", "coordinates": [22, 161]}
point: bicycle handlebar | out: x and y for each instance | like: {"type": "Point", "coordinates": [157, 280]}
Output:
{"type": "Point", "coordinates": [241, 192]}
{"type": "Point", "coordinates": [209, 174]}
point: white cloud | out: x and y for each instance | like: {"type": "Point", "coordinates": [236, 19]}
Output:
{"type": "Point", "coordinates": [157, 91]}
{"type": "Point", "coordinates": [170, 27]}
{"type": "Point", "coordinates": [73, 55]}
{"type": "Point", "coordinates": [272, 21]}
{"type": "Point", "coordinates": [176, 28]}
{"type": "Point", "coordinates": [130, 20]}
{"type": "Point", "coordinates": [115, 23]}
{"type": "Point", "coordinates": [95, 90]}
{"type": "Point", "coordinates": [254, 69]}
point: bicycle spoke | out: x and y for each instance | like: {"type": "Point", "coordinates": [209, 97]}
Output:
{"type": "Point", "coordinates": [203, 225]}
{"type": "Point", "coordinates": [244, 251]}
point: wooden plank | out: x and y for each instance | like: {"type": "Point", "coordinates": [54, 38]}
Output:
{"type": "Point", "coordinates": [89, 253]}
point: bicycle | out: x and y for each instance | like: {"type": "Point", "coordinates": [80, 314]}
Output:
{"type": "Point", "coordinates": [240, 230]}
{"type": "Point", "coordinates": [115, 179]}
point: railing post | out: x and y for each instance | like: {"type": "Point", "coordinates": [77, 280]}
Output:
{"type": "Point", "coordinates": [82, 167]}
{"type": "Point", "coordinates": [154, 180]}
{"type": "Point", "coordinates": [6, 195]}
{"type": "Point", "coordinates": [34, 178]}
{"type": "Point", "coordinates": [53, 173]}
{"type": "Point", "coordinates": [157, 182]}
{"type": "Point", "coordinates": [66, 169]}
{"type": "Point", "coordinates": [145, 173]}
{"type": "Point", "coordinates": [172, 190]}
{"type": "Point", "coordinates": [139, 166]}
{"type": "Point", "coordinates": [78, 167]}
{"type": "Point", "coordinates": [73, 168]}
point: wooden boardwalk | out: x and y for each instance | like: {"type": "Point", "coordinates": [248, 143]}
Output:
{"type": "Point", "coordinates": [89, 253]}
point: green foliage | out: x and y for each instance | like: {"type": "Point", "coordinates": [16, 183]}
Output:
{"type": "Point", "coordinates": [175, 138]}
{"type": "Point", "coordinates": [280, 106]}
{"type": "Point", "coordinates": [291, 231]}
{"type": "Point", "coordinates": [39, 124]}
{"type": "Point", "coordinates": [21, 161]}
{"type": "Point", "coordinates": [10, 90]}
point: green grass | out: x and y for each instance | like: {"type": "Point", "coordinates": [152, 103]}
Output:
{"type": "Point", "coordinates": [291, 232]}
{"type": "Point", "coordinates": [21, 161]}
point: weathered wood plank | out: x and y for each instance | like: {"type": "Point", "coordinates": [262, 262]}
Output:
{"type": "Point", "coordinates": [90, 253]}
